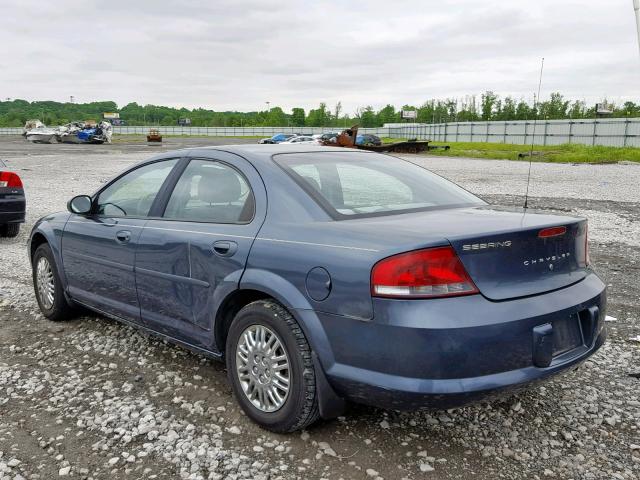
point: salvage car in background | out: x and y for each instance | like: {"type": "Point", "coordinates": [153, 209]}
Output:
{"type": "Point", "coordinates": [41, 134]}
{"type": "Point", "coordinates": [75, 132]}
{"type": "Point", "coordinates": [277, 138]}
{"type": "Point", "coordinates": [84, 132]}
{"type": "Point", "coordinates": [326, 137]}
{"type": "Point", "coordinates": [368, 139]}
{"type": "Point", "coordinates": [367, 278]}
{"type": "Point", "coordinates": [301, 139]}
{"type": "Point", "coordinates": [12, 202]}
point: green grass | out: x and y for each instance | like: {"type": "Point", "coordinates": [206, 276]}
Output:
{"type": "Point", "coordinates": [556, 153]}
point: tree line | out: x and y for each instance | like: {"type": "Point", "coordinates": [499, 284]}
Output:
{"type": "Point", "coordinates": [488, 106]}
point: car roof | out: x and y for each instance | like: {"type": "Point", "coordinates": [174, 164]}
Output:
{"type": "Point", "coordinates": [261, 152]}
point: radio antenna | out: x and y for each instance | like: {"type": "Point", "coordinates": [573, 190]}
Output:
{"type": "Point", "coordinates": [533, 137]}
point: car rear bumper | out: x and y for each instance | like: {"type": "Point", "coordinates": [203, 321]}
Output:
{"type": "Point", "coordinates": [444, 353]}
{"type": "Point", "coordinates": [12, 209]}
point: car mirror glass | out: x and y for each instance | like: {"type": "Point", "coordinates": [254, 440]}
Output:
{"type": "Point", "coordinates": [80, 204]}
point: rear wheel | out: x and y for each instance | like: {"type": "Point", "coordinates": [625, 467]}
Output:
{"type": "Point", "coordinates": [270, 368]}
{"type": "Point", "coordinates": [9, 230]}
{"type": "Point", "coordinates": [48, 288]}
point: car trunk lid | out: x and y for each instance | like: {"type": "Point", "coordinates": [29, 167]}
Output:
{"type": "Point", "coordinates": [524, 261]}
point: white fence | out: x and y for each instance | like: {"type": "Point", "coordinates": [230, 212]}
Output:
{"type": "Point", "coordinates": [615, 132]}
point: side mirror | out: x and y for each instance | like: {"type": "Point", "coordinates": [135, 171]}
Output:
{"type": "Point", "coordinates": [80, 204]}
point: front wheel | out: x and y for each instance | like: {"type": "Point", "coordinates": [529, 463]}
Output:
{"type": "Point", "coordinates": [270, 368]}
{"type": "Point", "coordinates": [48, 287]}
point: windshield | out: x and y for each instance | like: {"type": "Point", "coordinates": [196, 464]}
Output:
{"type": "Point", "coordinates": [350, 184]}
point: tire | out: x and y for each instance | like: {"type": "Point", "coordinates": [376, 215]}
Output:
{"type": "Point", "coordinates": [9, 230]}
{"type": "Point", "coordinates": [299, 407]}
{"type": "Point", "coordinates": [55, 307]}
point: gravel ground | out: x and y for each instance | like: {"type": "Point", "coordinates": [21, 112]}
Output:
{"type": "Point", "coordinates": [92, 398]}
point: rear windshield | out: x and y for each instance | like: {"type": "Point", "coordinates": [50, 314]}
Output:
{"type": "Point", "coordinates": [357, 184]}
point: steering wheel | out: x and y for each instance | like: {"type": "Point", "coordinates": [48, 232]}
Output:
{"type": "Point", "coordinates": [105, 205]}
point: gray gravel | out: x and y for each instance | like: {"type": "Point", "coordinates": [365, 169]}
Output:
{"type": "Point", "coordinates": [610, 182]}
{"type": "Point", "coordinates": [95, 399]}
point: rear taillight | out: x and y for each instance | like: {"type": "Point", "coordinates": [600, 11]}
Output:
{"type": "Point", "coordinates": [433, 272]}
{"type": "Point", "coordinates": [10, 179]}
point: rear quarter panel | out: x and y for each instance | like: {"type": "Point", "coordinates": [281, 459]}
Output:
{"type": "Point", "coordinates": [279, 252]}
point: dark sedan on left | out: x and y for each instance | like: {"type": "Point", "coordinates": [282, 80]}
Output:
{"type": "Point", "coordinates": [12, 202]}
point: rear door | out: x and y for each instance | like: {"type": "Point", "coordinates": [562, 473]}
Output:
{"type": "Point", "coordinates": [98, 250]}
{"type": "Point", "coordinates": [193, 256]}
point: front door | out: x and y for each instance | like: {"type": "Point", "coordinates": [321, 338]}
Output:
{"type": "Point", "coordinates": [191, 259]}
{"type": "Point", "coordinates": [98, 250]}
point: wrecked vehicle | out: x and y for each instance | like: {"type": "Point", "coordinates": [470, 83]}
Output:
{"type": "Point", "coordinates": [31, 125]}
{"type": "Point", "coordinates": [41, 134]}
{"type": "Point", "coordinates": [84, 132]}
{"type": "Point", "coordinates": [37, 132]}
{"type": "Point", "coordinates": [75, 132]}
{"type": "Point", "coordinates": [100, 133]}
{"type": "Point", "coordinates": [69, 133]}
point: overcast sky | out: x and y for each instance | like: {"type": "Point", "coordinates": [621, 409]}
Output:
{"type": "Point", "coordinates": [236, 54]}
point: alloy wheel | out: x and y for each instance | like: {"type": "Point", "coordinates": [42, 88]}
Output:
{"type": "Point", "coordinates": [45, 283]}
{"type": "Point", "coordinates": [263, 368]}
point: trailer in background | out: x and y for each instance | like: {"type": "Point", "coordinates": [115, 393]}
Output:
{"type": "Point", "coordinates": [347, 139]}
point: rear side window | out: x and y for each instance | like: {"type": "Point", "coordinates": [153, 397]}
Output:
{"type": "Point", "coordinates": [357, 184]}
{"type": "Point", "coordinates": [210, 191]}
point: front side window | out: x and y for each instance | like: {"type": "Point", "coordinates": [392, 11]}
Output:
{"type": "Point", "coordinates": [133, 194]}
{"type": "Point", "coordinates": [358, 184]}
{"type": "Point", "coordinates": [210, 191]}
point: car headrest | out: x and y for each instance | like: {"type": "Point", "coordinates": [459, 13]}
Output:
{"type": "Point", "coordinates": [219, 186]}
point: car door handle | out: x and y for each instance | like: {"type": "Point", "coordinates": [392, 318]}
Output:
{"type": "Point", "coordinates": [224, 248]}
{"type": "Point", "coordinates": [123, 236]}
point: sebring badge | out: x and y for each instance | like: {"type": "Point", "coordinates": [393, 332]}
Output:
{"type": "Point", "coordinates": [485, 246]}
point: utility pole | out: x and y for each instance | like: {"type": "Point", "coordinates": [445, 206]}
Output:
{"type": "Point", "coordinates": [636, 7]}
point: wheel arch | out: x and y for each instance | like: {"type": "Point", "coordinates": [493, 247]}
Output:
{"type": "Point", "coordinates": [229, 308]}
{"type": "Point", "coordinates": [330, 403]}
{"type": "Point", "coordinates": [258, 284]}
{"type": "Point", "coordinates": [45, 232]}
{"type": "Point", "coordinates": [37, 239]}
